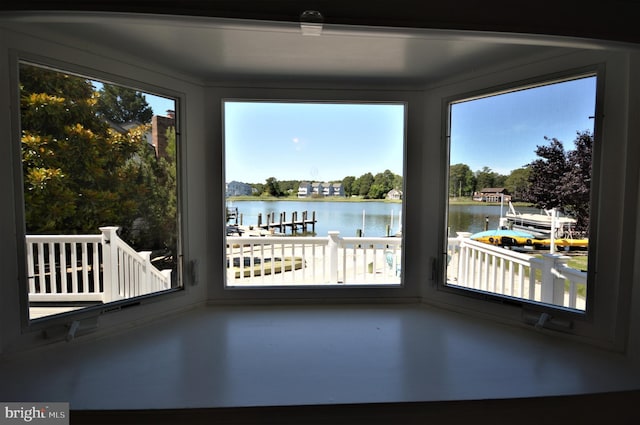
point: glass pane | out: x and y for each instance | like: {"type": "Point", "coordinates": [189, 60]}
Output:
{"type": "Point", "coordinates": [314, 193]}
{"type": "Point", "coordinates": [100, 193]}
{"type": "Point", "coordinates": [519, 192]}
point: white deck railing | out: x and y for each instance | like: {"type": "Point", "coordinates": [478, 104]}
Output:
{"type": "Point", "coordinates": [100, 268]}
{"type": "Point", "coordinates": [283, 260]}
{"type": "Point", "coordinates": [488, 268]}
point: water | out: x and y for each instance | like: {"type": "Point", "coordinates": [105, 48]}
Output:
{"type": "Point", "coordinates": [472, 218]}
{"type": "Point", "coordinates": [345, 217]}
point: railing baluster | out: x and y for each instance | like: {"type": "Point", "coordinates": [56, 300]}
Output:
{"type": "Point", "coordinates": [31, 273]}
{"type": "Point", "coordinates": [42, 279]}
{"type": "Point", "coordinates": [85, 271]}
{"type": "Point", "coordinates": [96, 267]}
{"type": "Point", "coordinates": [63, 267]}
{"type": "Point", "coordinates": [53, 280]}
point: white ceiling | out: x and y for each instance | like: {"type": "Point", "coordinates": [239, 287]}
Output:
{"type": "Point", "coordinates": [213, 49]}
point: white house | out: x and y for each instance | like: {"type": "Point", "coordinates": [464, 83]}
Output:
{"type": "Point", "coordinates": [394, 194]}
{"type": "Point", "coordinates": [422, 351]}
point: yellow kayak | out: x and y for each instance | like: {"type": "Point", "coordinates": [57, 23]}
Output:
{"type": "Point", "coordinates": [562, 243]}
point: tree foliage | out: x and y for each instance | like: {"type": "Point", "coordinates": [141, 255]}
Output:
{"type": "Point", "coordinates": [272, 187]}
{"type": "Point", "coordinates": [122, 105]}
{"type": "Point", "coordinates": [81, 174]}
{"type": "Point", "coordinates": [347, 184]}
{"type": "Point", "coordinates": [517, 182]}
{"type": "Point", "coordinates": [562, 179]}
{"type": "Point", "coordinates": [461, 180]}
{"type": "Point", "coordinates": [488, 178]}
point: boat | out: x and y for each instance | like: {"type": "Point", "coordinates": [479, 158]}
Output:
{"type": "Point", "coordinates": [504, 237]}
{"type": "Point", "coordinates": [539, 225]}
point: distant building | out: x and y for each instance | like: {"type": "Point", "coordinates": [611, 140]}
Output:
{"type": "Point", "coordinates": [317, 189]}
{"type": "Point", "coordinates": [492, 194]}
{"type": "Point", "coordinates": [236, 188]}
{"type": "Point", "coordinates": [157, 136]}
{"type": "Point", "coordinates": [337, 189]}
{"type": "Point", "coordinates": [304, 190]}
{"type": "Point", "coordinates": [159, 127]}
{"type": "Point", "coordinates": [394, 194]}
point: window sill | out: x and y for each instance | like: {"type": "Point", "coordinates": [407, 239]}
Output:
{"type": "Point", "coordinates": [220, 357]}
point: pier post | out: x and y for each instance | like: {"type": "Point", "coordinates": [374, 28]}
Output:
{"type": "Point", "coordinates": [282, 215]}
{"type": "Point", "coordinates": [240, 219]}
{"type": "Point", "coordinates": [332, 255]}
{"type": "Point", "coordinates": [294, 219]}
{"type": "Point", "coordinates": [304, 221]}
{"type": "Point", "coordinates": [259, 220]}
{"type": "Point", "coordinates": [313, 221]}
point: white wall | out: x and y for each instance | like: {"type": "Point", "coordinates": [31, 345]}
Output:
{"type": "Point", "coordinates": [607, 322]}
{"type": "Point", "coordinates": [203, 183]}
{"type": "Point", "coordinates": [194, 140]}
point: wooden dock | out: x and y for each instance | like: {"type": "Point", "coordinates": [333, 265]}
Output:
{"type": "Point", "coordinates": [295, 224]}
{"type": "Point", "coordinates": [269, 222]}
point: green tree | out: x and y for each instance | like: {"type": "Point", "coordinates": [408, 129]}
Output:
{"type": "Point", "coordinates": [288, 187]}
{"type": "Point", "coordinates": [382, 184]}
{"type": "Point", "coordinates": [488, 178]}
{"type": "Point", "coordinates": [154, 224]}
{"type": "Point", "coordinates": [364, 183]}
{"type": "Point", "coordinates": [517, 182]}
{"type": "Point", "coordinates": [71, 158]}
{"type": "Point", "coordinates": [81, 174]}
{"type": "Point", "coordinates": [123, 105]}
{"type": "Point", "coordinates": [461, 180]}
{"type": "Point", "coordinates": [347, 184]}
{"type": "Point", "coordinates": [272, 187]}
{"type": "Point", "coordinates": [562, 179]}
{"type": "Point", "coordinates": [546, 174]}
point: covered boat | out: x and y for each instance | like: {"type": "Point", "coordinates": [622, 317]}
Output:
{"type": "Point", "coordinates": [539, 225]}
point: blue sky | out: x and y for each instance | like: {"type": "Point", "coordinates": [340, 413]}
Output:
{"type": "Point", "coordinates": [311, 141]}
{"type": "Point", "coordinates": [325, 141]}
{"type": "Point", "coordinates": [502, 132]}
{"type": "Point", "coordinates": [159, 104]}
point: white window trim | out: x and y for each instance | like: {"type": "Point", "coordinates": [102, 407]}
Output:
{"type": "Point", "coordinates": [409, 290]}
{"type": "Point", "coordinates": [604, 322]}
{"type": "Point", "coordinates": [118, 313]}
{"type": "Point", "coordinates": [425, 210]}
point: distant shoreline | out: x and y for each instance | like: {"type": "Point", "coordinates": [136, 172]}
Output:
{"type": "Point", "coordinates": [453, 201]}
{"type": "Point", "coordinates": [323, 199]}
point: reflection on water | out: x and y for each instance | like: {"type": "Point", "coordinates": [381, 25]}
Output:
{"type": "Point", "coordinates": [472, 218]}
{"type": "Point", "coordinates": [346, 217]}
{"type": "Point", "coordinates": [372, 217]}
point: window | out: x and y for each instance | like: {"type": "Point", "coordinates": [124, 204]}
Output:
{"type": "Point", "coordinates": [314, 193]}
{"type": "Point", "coordinates": [520, 192]}
{"type": "Point", "coordinates": [100, 191]}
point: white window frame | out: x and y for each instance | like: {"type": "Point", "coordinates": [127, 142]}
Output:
{"type": "Point", "coordinates": [321, 286]}
{"type": "Point", "coordinates": [604, 323]}
{"type": "Point", "coordinates": [90, 313]}
{"type": "Point", "coordinates": [536, 307]}
{"type": "Point", "coordinates": [409, 289]}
